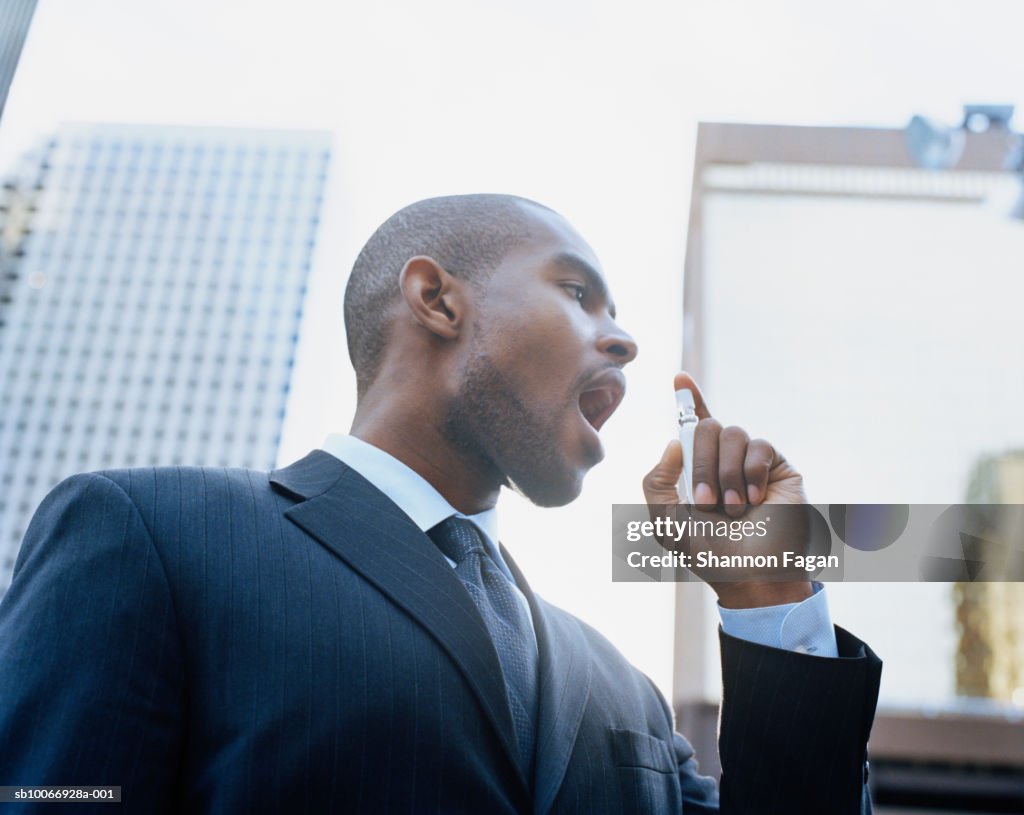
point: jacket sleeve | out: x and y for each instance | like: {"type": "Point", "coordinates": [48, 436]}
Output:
{"type": "Point", "coordinates": [90, 657]}
{"type": "Point", "coordinates": [794, 728]}
{"type": "Point", "coordinates": [700, 792]}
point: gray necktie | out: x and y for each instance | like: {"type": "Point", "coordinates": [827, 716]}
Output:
{"type": "Point", "coordinates": [506, 620]}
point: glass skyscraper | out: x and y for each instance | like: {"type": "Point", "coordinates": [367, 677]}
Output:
{"type": "Point", "coordinates": [15, 15]}
{"type": "Point", "coordinates": [151, 288]}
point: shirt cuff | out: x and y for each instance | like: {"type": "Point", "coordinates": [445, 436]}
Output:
{"type": "Point", "coordinates": [804, 627]}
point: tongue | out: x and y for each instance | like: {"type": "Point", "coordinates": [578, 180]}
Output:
{"type": "Point", "coordinates": [592, 405]}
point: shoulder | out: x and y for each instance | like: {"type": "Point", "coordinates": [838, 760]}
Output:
{"type": "Point", "coordinates": [595, 639]}
{"type": "Point", "coordinates": [608, 661]}
{"type": "Point", "coordinates": [101, 496]}
{"type": "Point", "coordinates": [146, 486]}
{"type": "Point", "coordinates": [169, 502]}
{"type": "Point", "coordinates": [202, 524]}
{"type": "Point", "coordinates": [134, 478]}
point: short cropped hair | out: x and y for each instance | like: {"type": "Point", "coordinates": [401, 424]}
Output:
{"type": "Point", "coordinates": [468, 235]}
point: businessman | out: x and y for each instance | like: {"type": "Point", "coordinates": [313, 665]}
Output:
{"type": "Point", "coordinates": [347, 634]}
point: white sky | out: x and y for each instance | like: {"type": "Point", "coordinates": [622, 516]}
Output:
{"type": "Point", "coordinates": [589, 107]}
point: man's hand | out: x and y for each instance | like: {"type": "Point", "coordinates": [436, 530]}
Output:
{"type": "Point", "coordinates": [732, 476]}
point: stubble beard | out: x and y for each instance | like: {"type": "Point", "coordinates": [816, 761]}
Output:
{"type": "Point", "coordinates": [490, 424]}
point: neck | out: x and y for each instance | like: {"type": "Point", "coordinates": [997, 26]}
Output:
{"type": "Point", "coordinates": [418, 441]}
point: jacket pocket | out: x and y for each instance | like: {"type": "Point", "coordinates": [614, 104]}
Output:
{"type": "Point", "coordinates": [633, 749]}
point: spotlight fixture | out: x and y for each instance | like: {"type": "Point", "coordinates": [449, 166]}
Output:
{"type": "Point", "coordinates": [936, 146]}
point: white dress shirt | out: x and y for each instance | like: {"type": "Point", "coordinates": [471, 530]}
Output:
{"type": "Point", "coordinates": [415, 496]}
{"type": "Point", "coordinates": [805, 627]}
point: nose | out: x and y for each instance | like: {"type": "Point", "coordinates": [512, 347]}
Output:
{"type": "Point", "coordinates": [618, 345]}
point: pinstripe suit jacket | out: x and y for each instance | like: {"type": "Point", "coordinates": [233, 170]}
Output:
{"type": "Point", "coordinates": [223, 641]}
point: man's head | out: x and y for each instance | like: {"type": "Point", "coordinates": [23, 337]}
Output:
{"type": "Point", "coordinates": [482, 324]}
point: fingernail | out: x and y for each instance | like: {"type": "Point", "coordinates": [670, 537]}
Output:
{"type": "Point", "coordinates": [732, 497]}
{"type": "Point", "coordinates": [703, 494]}
{"type": "Point", "coordinates": [753, 493]}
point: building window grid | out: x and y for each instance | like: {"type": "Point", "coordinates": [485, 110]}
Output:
{"type": "Point", "coordinates": [233, 248]}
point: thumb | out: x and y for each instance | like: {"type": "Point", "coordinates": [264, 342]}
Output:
{"type": "Point", "coordinates": [684, 380]}
{"type": "Point", "coordinates": [660, 483]}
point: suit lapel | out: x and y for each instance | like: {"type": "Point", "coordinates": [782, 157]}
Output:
{"type": "Point", "coordinates": [363, 527]}
{"type": "Point", "coordinates": [564, 688]}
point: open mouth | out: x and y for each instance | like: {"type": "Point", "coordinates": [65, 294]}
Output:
{"type": "Point", "coordinates": [601, 396]}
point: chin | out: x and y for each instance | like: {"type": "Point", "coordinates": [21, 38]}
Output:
{"type": "Point", "coordinates": [549, 492]}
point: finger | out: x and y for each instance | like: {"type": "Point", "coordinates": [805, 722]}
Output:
{"type": "Point", "coordinates": [684, 380]}
{"type": "Point", "coordinates": [756, 467]}
{"type": "Point", "coordinates": [705, 463]}
{"type": "Point", "coordinates": [732, 454]}
{"type": "Point", "coordinates": [660, 483]}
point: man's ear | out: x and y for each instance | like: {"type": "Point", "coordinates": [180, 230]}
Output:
{"type": "Point", "coordinates": [435, 298]}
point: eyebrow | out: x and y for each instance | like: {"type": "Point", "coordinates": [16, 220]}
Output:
{"type": "Point", "coordinates": [567, 260]}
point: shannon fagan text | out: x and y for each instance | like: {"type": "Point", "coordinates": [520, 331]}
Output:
{"type": "Point", "coordinates": [667, 529]}
{"type": "Point", "coordinates": [709, 560]}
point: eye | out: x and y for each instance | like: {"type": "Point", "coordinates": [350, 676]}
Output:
{"type": "Point", "coordinates": [577, 291]}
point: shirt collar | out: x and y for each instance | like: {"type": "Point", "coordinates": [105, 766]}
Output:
{"type": "Point", "coordinates": [413, 494]}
